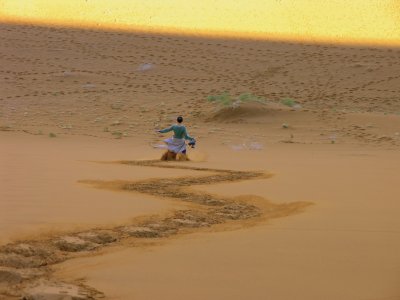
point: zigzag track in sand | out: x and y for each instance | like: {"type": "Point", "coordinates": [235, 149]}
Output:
{"type": "Point", "coordinates": [24, 265]}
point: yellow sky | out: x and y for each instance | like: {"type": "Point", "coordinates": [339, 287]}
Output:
{"type": "Point", "coordinates": [338, 20]}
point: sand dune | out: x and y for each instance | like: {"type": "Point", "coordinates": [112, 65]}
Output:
{"type": "Point", "coordinates": [87, 211]}
{"type": "Point", "coordinates": [345, 246]}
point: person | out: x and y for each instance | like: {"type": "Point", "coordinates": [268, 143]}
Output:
{"type": "Point", "coordinates": [177, 144]}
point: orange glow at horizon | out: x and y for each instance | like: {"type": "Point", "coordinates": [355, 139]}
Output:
{"type": "Point", "coordinates": [358, 21]}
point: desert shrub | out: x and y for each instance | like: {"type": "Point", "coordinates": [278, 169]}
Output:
{"type": "Point", "coordinates": [117, 134]}
{"type": "Point", "coordinates": [288, 102]}
{"type": "Point", "coordinates": [225, 99]}
{"type": "Point", "coordinates": [52, 135]}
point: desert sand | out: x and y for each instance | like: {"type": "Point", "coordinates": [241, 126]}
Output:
{"type": "Point", "coordinates": [278, 201]}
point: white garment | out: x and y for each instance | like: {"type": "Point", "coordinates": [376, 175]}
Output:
{"type": "Point", "coordinates": [176, 145]}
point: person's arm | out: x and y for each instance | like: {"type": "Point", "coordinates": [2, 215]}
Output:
{"type": "Point", "coordinates": [166, 130]}
{"type": "Point", "coordinates": [186, 136]}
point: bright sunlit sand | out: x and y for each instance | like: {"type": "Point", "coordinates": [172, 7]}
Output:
{"type": "Point", "coordinates": [357, 21]}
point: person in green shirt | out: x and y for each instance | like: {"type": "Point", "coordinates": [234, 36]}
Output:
{"type": "Point", "coordinates": [177, 144]}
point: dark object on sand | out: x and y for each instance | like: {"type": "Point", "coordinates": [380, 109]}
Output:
{"type": "Point", "coordinates": [169, 155]}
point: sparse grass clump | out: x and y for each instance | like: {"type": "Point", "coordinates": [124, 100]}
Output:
{"type": "Point", "coordinates": [117, 134]}
{"type": "Point", "coordinates": [52, 135]}
{"type": "Point", "coordinates": [225, 99]}
{"type": "Point", "coordinates": [288, 102]}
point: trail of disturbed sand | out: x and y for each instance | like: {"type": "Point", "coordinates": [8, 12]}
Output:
{"type": "Point", "coordinates": [25, 266]}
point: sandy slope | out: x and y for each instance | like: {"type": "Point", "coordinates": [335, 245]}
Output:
{"type": "Point", "coordinates": [344, 247]}
{"type": "Point", "coordinates": [40, 191]}
{"type": "Point", "coordinates": [102, 94]}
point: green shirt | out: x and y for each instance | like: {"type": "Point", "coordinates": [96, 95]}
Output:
{"type": "Point", "coordinates": [179, 132]}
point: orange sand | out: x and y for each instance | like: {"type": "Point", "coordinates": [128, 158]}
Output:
{"type": "Point", "coordinates": [344, 247]}
{"type": "Point", "coordinates": [338, 148]}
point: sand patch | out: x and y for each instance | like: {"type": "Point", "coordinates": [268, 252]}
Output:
{"type": "Point", "coordinates": [204, 211]}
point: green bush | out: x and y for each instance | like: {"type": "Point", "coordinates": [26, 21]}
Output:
{"type": "Point", "coordinates": [288, 102]}
{"type": "Point", "coordinates": [225, 99]}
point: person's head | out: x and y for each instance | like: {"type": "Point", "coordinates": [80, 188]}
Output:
{"type": "Point", "coordinates": [179, 119]}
